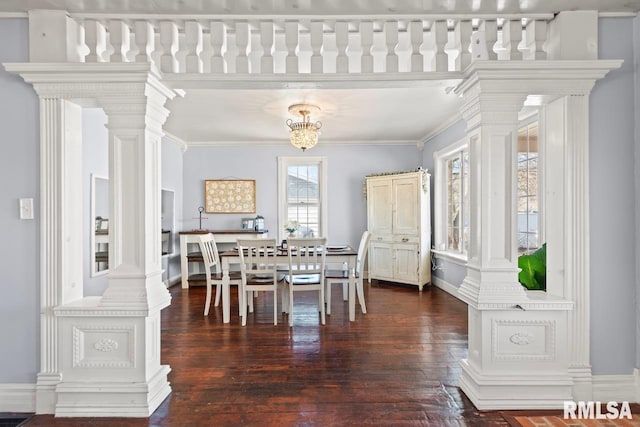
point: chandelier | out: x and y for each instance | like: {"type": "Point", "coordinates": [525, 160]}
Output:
{"type": "Point", "coordinates": [303, 134]}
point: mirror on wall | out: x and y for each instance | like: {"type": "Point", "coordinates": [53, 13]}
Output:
{"type": "Point", "coordinates": [167, 213]}
{"type": "Point", "coordinates": [100, 225]}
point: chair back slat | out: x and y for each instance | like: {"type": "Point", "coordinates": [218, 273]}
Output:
{"type": "Point", "coordinates": [306, 256]}
{"type": "Point", "coordinates": [362, 252]}
{"type": "Point", "coordinates": [209, 252]}
{"type": "Point", "coordinates": [257, 258]}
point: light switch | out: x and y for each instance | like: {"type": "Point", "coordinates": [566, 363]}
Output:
{"type": "Point", "coordinates": [26, 208]}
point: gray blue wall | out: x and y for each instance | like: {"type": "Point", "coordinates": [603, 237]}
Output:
{"type": "Point", "coordinates": [613, 239]}
{"type": "Point", "coordinates": [448, 271]}
{"type": "Point", "coordinates": [19, 175]}
{"type": "Point", "coordinates": [347, 165]}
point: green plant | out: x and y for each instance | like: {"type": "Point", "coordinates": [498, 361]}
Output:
{"type": "Point", "coordinates": [533, 273]}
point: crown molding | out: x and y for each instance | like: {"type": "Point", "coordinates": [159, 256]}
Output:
{"type": "Point", "coordinates": [437, 131]}
{"type": "Point", "coordinates": [284, 142]}
{"type": "Point", "coordinates": [181, 143]}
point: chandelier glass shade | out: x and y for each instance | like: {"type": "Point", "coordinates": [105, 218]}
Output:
{"type": "Point", "coordinates": [303, 134]}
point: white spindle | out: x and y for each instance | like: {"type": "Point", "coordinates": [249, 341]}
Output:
{"type": "Point", "coordinates": [145, 41]}
{"type": "Point", "coordinates": [317, 39]}
{"type": "Point", "coordinates": [193, 42]}
{"type": "Point", "coordinates": [342, 41]}
{"type": "Point", "coordinates": [462, 34]}
{"type": "Point", "coordinates": [95, 36]}
{"type": "Point", "coordinates": [479, 46]}
{"type": "Point", "coordinates": [391, 40]}
{"type": "Point", "coordinates": [366, 40]}
{"type": "Point", "coordinates": [439, 34]}
{"type": "Point", "coordinates": [120, 38]}
{"type": "Point", "coordinates": [417, 38]}
{"type": "Point", "coordinates": [242, 43]}
{"type": "Point", "coordinates": [218, 42]}
{"type": "Point", "coordinates": [169, 44]}
{"type": "Point", "coordinates": [490, 29]}
{"type": "Point", "coordinates": [291, 41]}
{"type": "Point", "coordinates": [536, 36]}
{"type": "Point", "coordinates": [266, 40]}
{"type": "Point", "coordinates": [511, 37]}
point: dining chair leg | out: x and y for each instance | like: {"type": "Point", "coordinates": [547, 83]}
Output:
{"type": "Point", "coordinates": [321, 304]}
{"type": "Point", "coordinates": [345, 290]}
{"type": "Point", "coordinates": [360, 292]}
{"type": "Point", "coordinates": [218, 292]}
{"type": "Point", "coordinates": [208, 300]}
{"type": "Point", "coordinates": [243, 304]}
{"type": "Point", "coordinates": [327, 296]}
{"type": "Point", "coordinates": [275, 306]}
{"type": "Point", "coordinates": [290, 297]}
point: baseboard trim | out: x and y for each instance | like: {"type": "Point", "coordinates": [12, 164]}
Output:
{"type": "Point", "coordinates": [445, 286]}
{"type": "Point", "coordinates": [19, 398]}
{"type": "Point", "coordinates": [618, 388]}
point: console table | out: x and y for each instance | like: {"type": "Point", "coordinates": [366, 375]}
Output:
{"type": "Point", "coordinates": [221, 236]}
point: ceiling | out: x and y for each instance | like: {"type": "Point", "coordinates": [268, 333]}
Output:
{"type": "Point", "coordinates": [398, 115]}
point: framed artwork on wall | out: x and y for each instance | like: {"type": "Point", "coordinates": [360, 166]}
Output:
{"type": "Point", "coordinates": [230, 196]}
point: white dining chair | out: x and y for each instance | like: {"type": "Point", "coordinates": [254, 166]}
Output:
{"type": "Point", "coordinates": [211, 260]}
{"type": "Point", "coordinates": [259, 272]}
{"type": "Point", "coordinates": [306, 270]}
{"type": "Point", "coordinates": [342, 276]}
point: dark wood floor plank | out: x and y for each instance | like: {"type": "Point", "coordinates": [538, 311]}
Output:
{"type": "Point", "coordinates": [397, 365]}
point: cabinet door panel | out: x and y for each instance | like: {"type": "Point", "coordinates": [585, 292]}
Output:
{"type": "Point", "coordinates": [406, 261]}
{"type": "Point", "coordinates": [381, 260]}
{"type": "Point", "coordinates": [379, 207]}
{"type": "Point", "coordinates": [407, 210]}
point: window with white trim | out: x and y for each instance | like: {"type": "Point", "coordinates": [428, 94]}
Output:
{"type": "Point", "coordinates": [452, 217]}
{"type": "Point", "coordinates": [529, 203]}
{"type": "Point", "coordinates": [302, 196]}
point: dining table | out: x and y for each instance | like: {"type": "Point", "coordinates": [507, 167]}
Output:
{"type": "Point", "coordinates": [335, 254]}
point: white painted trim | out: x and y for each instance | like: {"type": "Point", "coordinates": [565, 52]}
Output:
{"type": "Point", "coordinates": [283, 163]}
{"type": "Point", "coordinates": [440, 193]}
{"type": "Point", "coordinates": [619, 388]}
{"type": "Point", "coordinates": [285, 142]}
{"type": "Point", "coordinates": [452, 257]}
{"type": "Point", "coordinates": [181, 143]}
{"type": "Point", "coordinates": [17, 398]}
{"type": "Point", "coordinates": [445, 286]}
{"type": "Point", "coordinates": [437, 131]}
{"type": "Point", "coordinates": [11, 15]}
{"type": "Point", "coordinates": [617, 14]}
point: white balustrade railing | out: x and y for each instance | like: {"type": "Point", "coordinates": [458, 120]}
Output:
{"type": "Point", "coordinates": [313, 45]}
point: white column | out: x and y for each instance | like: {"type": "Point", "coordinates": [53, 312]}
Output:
{"type": "Point", "coordinates": [568, 244]}
{"type": "Point", "coordinates": [60, 231]}
{"type": "Point", "coordinates": [492, 269]}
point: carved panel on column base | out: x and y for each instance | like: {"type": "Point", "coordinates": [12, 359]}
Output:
{"type": "Point", "coordinates": [523, 340]}
{"type": "Point", "coordinates": [104, 346]}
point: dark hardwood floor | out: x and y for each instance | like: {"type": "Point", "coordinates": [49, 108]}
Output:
{"type": "Point", "coordinates": [396, 365]}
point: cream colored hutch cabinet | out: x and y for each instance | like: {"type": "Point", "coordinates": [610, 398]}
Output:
{"type": "Point", "coordinates": [398, 212]}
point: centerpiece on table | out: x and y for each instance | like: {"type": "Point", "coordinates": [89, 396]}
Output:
{"type": "Point", "coordinates": [291, 227]}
